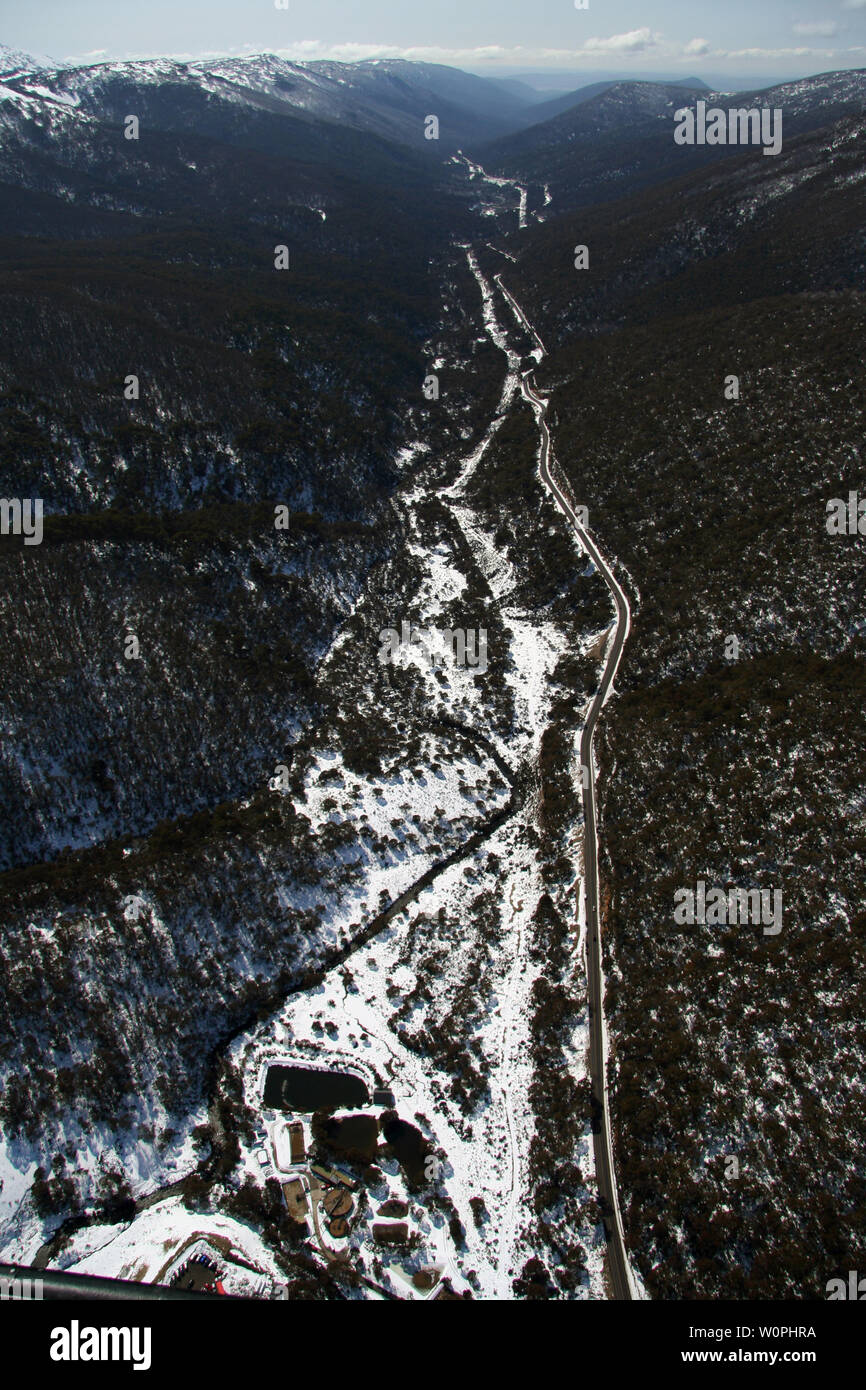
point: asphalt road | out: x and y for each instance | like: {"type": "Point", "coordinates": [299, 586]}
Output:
{"type": "Point", "coordinates": [617, 1264]}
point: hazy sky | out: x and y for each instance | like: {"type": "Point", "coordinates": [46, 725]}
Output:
{"type": "Point", "coordinates": [774, 37]}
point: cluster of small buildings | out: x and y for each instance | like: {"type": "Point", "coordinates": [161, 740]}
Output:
{"type": "Point", "coordinates": [313, 1194]}
{"type": "Point", "coordinates": [325, 1199]}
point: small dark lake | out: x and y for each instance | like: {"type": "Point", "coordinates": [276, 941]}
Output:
{"type": "Point", "coordinates": [303, 1089]}
{"type": "Point", "coordinates": [354, 1136]}
{"type": "Point", "coordinates": [409, 1146]}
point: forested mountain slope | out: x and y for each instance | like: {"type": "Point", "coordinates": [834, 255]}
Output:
{"type": "Point", "coordinates": [706, 401]}
{"type": "Point", "coordinates": [622, 139]}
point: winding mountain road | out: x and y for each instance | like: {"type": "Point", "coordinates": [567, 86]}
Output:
{"type": "Point", "coordinates": [619, 1270]}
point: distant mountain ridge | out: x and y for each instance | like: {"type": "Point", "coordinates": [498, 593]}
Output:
{"type": "Point", "coordinates": [621, 139]}
{"type": "Point", "coordinates": [389, 99]}
{"type": "Point", "coordinates": [547, 110]}
{"type": "Point", "coordinates": [12, 60]}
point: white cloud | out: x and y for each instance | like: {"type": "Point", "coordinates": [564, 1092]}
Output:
{"type": "Point", "coordinates": [636, 41]}
{"type": "Point", "coordinates": [593, 50]}
{"type": "Point", "coordinates": [854, 4]}
{"type": "Point", "coordinates": [823, 29]}
{"type": "Point", "coordinates": [596, 52]}
{"type": "Point", "coordinates": [773, 53]}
